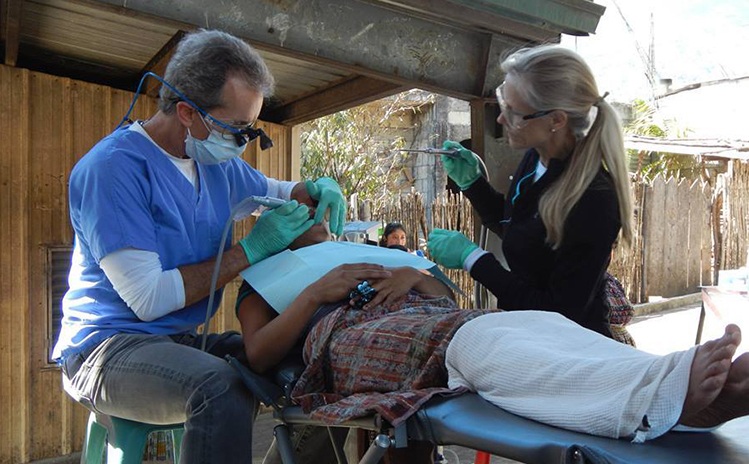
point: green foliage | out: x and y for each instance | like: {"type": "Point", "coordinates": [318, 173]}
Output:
{"type": "Point", "coordinates": [648, 164]}
{"type": "Point", "coordinates": [643, 121]}
{"type": "Point", "coordinates": [359, 148]}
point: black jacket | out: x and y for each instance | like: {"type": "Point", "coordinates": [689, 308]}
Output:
{"type": "Point", "coordinates": [567, 280]}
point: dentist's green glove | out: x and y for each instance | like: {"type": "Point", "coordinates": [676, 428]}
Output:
{"type": "Point", "coordinates": [449, 248]}
{"type": "Point", "coordinates": [329, 196]}
{"type": "Point", "coordinates": [275, 229]}
{"type": "Point", "coordinates": [464, 168]}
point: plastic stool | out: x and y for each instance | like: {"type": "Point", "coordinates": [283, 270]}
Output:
{"type": "Point", "coordinates": [482, 457]}
{"type": "Point", "coordinates": [125, 439]}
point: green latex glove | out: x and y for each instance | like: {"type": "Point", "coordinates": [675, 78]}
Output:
{"type": "Point", "coordinates": [329, 197]}
{"type": "Point", "coordinates": [449, 248]}
{"type": "Point", "coordinates": [275, 229]}
{"type": "Point", "coordinates": [463, 169]}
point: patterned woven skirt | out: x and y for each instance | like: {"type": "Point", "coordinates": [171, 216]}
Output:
{"type": "Point", "coordinates": [388, 360]}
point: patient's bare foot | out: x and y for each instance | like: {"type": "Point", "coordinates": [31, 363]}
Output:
{"type": "Point", "coordinates": [732, 402]}
{"type": "Point", "coordinates": [709, 373]}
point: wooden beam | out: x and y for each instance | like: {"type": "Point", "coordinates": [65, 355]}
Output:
{"type": "Point", "coordinates": [537, 20]}
{"type": "Point", "coordinates": [444, 11]}
{"type": "Point", "coordinates": [350, 34]}
{"type": "Point", "coordinates": [344, 95]}
{"type": "Point", "coordinates": [11, 30]}
{"type": "Point", "coordinates": [157, 64]}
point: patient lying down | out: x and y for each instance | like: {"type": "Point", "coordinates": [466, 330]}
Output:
{"type": "Point", "coordinates": [412, 342]}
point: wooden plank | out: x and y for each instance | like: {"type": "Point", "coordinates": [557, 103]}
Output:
{"type": "Point", "coordinates": [11, 30]}
{"type": "Point", "coordinates": [698, 206]}
{"type": "Point", "coordinates": [13, 265]}
{"type": "Point", "coordinates": [653, 234]}
{"type": "Point", "coordinates": [706, 243]}
{"type": "Point", "coordinates": [8, 194]}
{"type": "Point", "coordinates": [294, 143]}
{"type": "Point", "coordinates": [667, 222]}
{"type": "Point", "coordinates": [685, 268]}
{"type": "Point", "coordinates": [647, 219]}
{"type": "Point", "coordinates": [47, 104]}
{"type": "Point", "coordinates": [20, 295]}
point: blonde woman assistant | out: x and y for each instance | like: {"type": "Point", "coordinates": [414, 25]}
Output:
{"type": "Point", "coordinates": [568, 201]}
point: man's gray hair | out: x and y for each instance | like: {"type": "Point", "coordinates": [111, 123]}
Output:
{"type": "Point", "coordinates": [202, 62]}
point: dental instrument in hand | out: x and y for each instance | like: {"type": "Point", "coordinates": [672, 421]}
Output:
{"type": "Point", "coordinates": [268, 202]}
{"type": "Point", "coordinates": [433, 151]}
{"type": "Point", "coordinates": [239, 212]}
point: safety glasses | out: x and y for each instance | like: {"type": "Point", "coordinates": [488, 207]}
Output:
{"type": "Point", "coordinates": [241, 135]}
{"type": "Point", "coordinates": [514, 119]}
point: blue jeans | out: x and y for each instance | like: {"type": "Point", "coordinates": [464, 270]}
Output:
{"type": "Point", "coordinates": [165, 380]}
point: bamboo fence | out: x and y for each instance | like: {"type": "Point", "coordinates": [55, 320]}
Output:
{"type": "Point", "coordinates": [683, 233]}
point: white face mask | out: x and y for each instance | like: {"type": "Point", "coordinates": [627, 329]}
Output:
{"type": "Point", "coordinates": [213, 150]}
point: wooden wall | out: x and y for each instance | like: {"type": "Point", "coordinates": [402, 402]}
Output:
{"type": "Point", "coordinates": [46, 124]}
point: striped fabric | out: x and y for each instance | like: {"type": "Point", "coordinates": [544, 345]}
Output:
{"type": "Point", "coordinates": [388, 360]}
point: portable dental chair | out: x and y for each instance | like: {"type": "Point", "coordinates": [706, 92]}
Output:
{"type": "Point", "coordinates": [469, 421]}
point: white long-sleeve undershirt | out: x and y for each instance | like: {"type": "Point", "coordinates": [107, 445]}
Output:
{"type": "Point", "coordinates": [137, 276]}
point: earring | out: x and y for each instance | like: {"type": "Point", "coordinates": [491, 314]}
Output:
{"type": "Point", "coordinates": [553, 130]}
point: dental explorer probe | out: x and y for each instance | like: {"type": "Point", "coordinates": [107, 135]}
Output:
{"type": "Point", "coordinates": [452, 153]}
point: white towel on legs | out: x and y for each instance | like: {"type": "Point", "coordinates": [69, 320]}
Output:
{"type": "Point", "coordinates": [542, 366]}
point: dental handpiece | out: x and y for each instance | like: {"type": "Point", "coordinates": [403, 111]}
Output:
{"type": "Point", "coordinates": [268, 202]}
{"type": "Point", "coordinates": [453, 152]}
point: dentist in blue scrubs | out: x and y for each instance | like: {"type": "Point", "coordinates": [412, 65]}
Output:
{"type": "Point", "coordinates": [148, 205]}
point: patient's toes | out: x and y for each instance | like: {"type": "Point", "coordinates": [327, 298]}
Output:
{"type": "Point", "coordinates": [732, 402]}
{"type": "Point", "coordinates": [738, 377]}
{"type": "Point", "coordinates": [709, 372]}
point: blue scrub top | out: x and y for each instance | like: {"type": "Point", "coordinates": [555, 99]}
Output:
{"type": "Point", "coordinates": [126, 193]}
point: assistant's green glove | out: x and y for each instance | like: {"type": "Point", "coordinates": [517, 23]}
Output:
{"type": "Point", "coordinates": [329, 196]}
{"type": "Point", "coordinates": [275, 229]}
{"type": "Point", "coordinates": [449, 248]}
{"type": "Point", "coordinates": [464, 168]}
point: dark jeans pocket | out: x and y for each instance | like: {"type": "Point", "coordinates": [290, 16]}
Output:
{"type": "Point", "coordinates": [72, 364]}
{"type": "Point", "coordinates": [75, 373]}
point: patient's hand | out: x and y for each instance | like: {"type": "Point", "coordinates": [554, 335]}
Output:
{"type": "Point", "coordinates": [391, 289]}
{"type": "Point", "coordinates": [336, 284]}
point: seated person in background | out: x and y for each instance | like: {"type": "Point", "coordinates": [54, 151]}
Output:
{"type": "Point", "coordinates": [411, 342]}
{"type": "Point", "coordinates": [394, 236]}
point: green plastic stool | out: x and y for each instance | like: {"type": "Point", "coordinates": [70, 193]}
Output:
{"type": "Point", "coordinates": [125, 439]}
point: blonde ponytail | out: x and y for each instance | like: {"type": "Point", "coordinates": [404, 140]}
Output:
{"type": "Point", "coordinates": [551, 77]}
